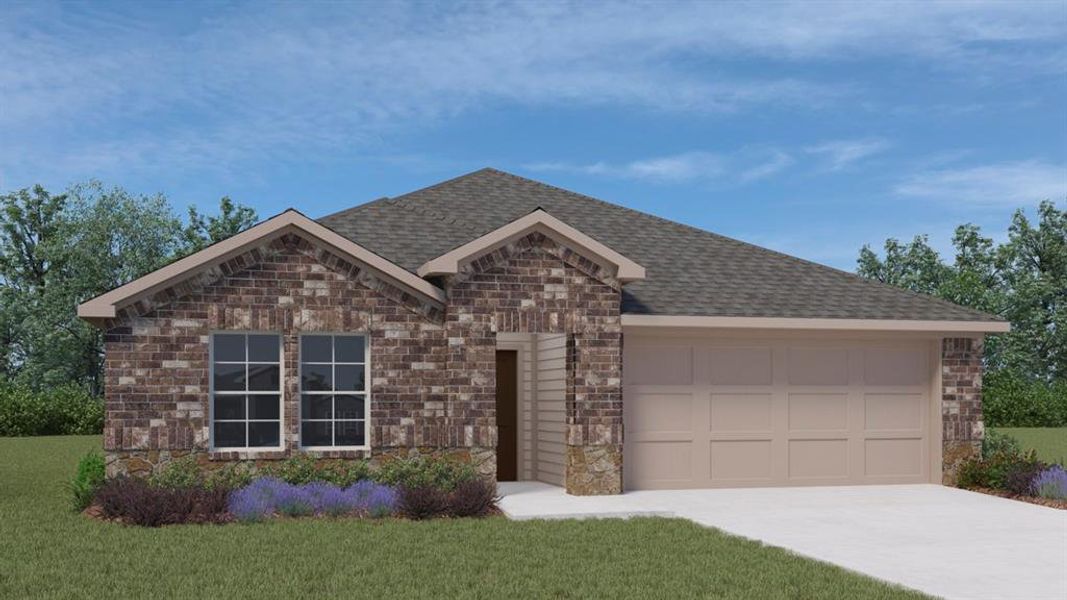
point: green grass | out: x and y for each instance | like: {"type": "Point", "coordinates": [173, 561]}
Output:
{"type": "Point", "coordinates": [1050, 443]}
{"type": "Point", "coordinates": [47, 551]}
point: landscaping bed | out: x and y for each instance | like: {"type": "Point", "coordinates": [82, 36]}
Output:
{"type": "Point", "coordinates": [413, 488]}
{"type": "Point", "coordinates": [1004, 469]}
{"type": "Point", "coordinates": [1049, 502]}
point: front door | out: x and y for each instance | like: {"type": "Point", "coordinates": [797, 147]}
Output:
{"type": "Point", "coordinates": [507, 415]}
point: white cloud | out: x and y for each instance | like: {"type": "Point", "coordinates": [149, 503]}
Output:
{"type": "Point", "coordinates": [742, 166]}
{"type": "Point", "coordinates": [689, 166]}
{"type": "Point", "coordinates": [231, 86]}
{"type": "Point", "coordinates": [840, 154]}
{"type": "Point", "coordinates": [777, 161]}
{"type": "Point", "coordinates": [1006, 184]}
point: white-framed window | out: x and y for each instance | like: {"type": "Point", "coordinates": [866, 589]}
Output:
{"type": "Point", "coordinates": [246, 390]}
{"type": "Point", "coordinates": [334, 399]}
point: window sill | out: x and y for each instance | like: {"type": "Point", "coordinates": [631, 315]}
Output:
{"type": "Point", "coordinates": [223, 454]}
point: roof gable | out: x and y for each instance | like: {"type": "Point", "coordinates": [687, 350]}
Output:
{"type": "Point", "coordinates": [106, 305]}
{"type": "Point", "coordinates": [539, 221]}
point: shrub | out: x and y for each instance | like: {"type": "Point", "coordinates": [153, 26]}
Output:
{"type": "Point", "coordinates": [267, 496]}
{"type": "Point", "coordinates": [293, 501]}
{"type": "Point", "coordinates": [297, 469]}
{"type": "Point", "coordinates": [1051, 483]}
{"type": "Point", "coordinates": [231, 476]}
{"type": "Point", "coordinates": [61, 410]}
{"type": "Point", "coordinates": [473, 498]}
{"type": "Point", "coordinates": [424, 502]}
{"type": "Point", "coordinates": [1010, 399]}
{"type": "Point", "coordinates": [1019, 477]}
{"type": "Point", "coordinates": [419, 472]}
{"type": "Point", "coordinates": [303, 468]}
{"type": "Point", "coordinates": [999, 443]}
{"type": "Point", "coordinates": [374, 499]}
{"type": "Point", "coordinates": [186, 472]}
{"type": "Point", "coordinates": [178, 473]}
{"type": "Point", "coordinates": [1007, 470]}
{"type": "Point", "coordinates": [88, 479]}
{"type": "Point", "coordinates": [255, 502]}
{"type": "Point", "coordinates": [134, 501]}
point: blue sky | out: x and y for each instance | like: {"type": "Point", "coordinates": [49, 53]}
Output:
{"type": "Point", "coordinates": [811, 128]}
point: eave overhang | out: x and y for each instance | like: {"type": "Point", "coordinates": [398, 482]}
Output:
{"type": "Point", "coordinates": [887, 325]}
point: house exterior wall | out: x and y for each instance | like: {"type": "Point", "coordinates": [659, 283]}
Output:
{"type": "Point", "coordinates": [534, 285]}
{"type": "Point", "coordinates": [432, 367]}
{"type": "Point", "coordinates": [157, 358]}
{"type": "Point", "coordinates": [961, 403]}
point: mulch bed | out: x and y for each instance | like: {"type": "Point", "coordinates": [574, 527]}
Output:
{"type": "Point", "coordinates": [1049, 502]}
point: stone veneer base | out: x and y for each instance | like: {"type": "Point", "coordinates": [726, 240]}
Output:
{"type": "Point", "coordinates": [594, 470]}
{"type": "Point", "coordinates": [142, 463]}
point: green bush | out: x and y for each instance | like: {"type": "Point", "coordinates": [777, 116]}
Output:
{"type": "Point", "coordinates": [999, 443]}
{"type": "Point", "coordinates": [301, 468]}
{"type": "Point", "coordinates": [1012, 400]}
{"type": "Point", "coordinates": [304, 468]}
{"type": "Point", "coordinates": [62, 410]}
{"type": "Point", "coordinates": [422, 472]}
{"type": "Point", "coordinates": [185, 473]}
{"type": "Point", "coordinates": [88, 479]}
{"type": "Point", "coordinates": [1008, 469]}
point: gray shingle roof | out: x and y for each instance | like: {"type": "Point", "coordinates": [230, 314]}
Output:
{"type": "Point", "coordinates": [689, 271]}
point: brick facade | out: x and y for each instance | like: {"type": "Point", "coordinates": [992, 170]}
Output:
{"type": "Point", "coordinates": [432, 367]}
{"type": "Point", "coordinates": [534, 285]}
{"type": "Point", "coordinates": [157, 354]}
{"type": "Point", "coordinates": [962, 429]}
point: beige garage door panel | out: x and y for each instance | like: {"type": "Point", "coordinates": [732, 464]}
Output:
{"type": "Point", "coordinates": [718, 413]}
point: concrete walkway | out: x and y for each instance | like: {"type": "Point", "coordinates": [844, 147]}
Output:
{"type": "Point", "coordinates": [942, 541]}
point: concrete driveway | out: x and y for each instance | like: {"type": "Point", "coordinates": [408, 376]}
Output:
{"type": "Point", "coordinates": [942, 541]}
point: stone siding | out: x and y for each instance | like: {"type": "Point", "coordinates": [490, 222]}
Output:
{"type": "Point", "coordinates": [961, 403]}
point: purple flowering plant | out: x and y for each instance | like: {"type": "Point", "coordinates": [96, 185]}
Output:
{"type": "Point", "coordinates": [268, 496]}
{"type": "Point", "coordinates": [1051, 483]}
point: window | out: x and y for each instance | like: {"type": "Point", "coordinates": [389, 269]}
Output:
{"type": "Point", "coordinates": [246, 390]}
{"type": "Point", "coordinates": [333, 391]}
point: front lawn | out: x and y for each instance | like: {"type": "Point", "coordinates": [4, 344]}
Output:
{"type": "Point", "coordinates": [1050, 443]}
{"type": "Point", "coordinates": [47, 551]}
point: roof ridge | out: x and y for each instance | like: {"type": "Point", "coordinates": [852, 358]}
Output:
{"type": "Point", "coordinates": [789, 257]}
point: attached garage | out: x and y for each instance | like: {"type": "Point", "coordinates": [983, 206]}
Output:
{"type": "Point", "coordinates": [731, 410]}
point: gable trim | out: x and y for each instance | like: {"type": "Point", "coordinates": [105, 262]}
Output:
{"type": "Point", "coordinates": [106, 305]}
{"type": "Point", "coordinates": [537, 221]}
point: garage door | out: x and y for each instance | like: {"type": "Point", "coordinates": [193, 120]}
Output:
{"type": "Point", "coordinates": [731, 413]}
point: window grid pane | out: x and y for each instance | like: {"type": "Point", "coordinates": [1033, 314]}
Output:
{"type": "Point", "coordinates": [255, 425]}
{"type": "Point", "coordinates": [321, 379]}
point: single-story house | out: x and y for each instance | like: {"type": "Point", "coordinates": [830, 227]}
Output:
{"type": "Point", "coordinates": [543, 335]}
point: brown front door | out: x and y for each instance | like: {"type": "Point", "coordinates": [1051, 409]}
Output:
{"type": "Point", "coordinates": [507, 415]}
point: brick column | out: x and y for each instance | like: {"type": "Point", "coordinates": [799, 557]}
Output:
{"type": "Point", "coordinates": [594, 413]}
{"type": "Point", "coordinates": [961, 403]}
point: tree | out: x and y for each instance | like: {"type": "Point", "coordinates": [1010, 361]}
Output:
{"type": "Point", "coordinates": [58, 251]}
{"type": "Point", "coordinates": [201, 232]}
{"type": "Point", "coordinates": [29, 244]}
{"type": "Point", "coordinates": [1023, 280]}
